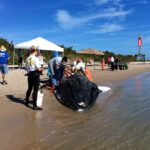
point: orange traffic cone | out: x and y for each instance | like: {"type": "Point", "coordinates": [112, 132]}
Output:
{"type": "Point", "coordinates": [88, 74]}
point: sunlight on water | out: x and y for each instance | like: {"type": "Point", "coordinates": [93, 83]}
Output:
{"type": "Point", "coordinates": [119, 121]}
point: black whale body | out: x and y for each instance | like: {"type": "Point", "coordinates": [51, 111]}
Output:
{"type": "Point", "coordinates": [77, 92]}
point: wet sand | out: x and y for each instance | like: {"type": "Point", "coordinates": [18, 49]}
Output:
{"type": "Point", "coordinates": [106, 76]}
{"type": "Point", "coordinates": [23, 128]}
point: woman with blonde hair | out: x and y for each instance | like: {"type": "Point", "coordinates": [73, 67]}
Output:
{"type": "Point", "coordinates": [33, 69]}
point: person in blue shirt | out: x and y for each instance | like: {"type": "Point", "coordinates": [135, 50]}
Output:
{"type": "Point", "coordinates": [54, 65]}
{"type": "Point", "coordinates": [57, 67]}
{"type": "Point", "coordinates": [4, 57]}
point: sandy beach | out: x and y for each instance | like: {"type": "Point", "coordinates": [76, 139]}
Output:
{"type": "Point", "coordinates": [24, 128]}
{"type": "Point", "coordinates": [108, 76]}
{"type": "Point", "coordinates": [18, 81]}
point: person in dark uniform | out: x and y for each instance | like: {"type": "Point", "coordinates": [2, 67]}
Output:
{"type": "Point", "coordinates": [33, 68]}
{"type": "Point", "coordinates": [116, 63]}
{"type": "Point", "coordinates": [112, 60]}
{"type": "Point", "coordinates": [20, 58]}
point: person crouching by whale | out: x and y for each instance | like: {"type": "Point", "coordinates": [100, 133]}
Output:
{"type": "Point", "coordinates": [33, 68]}
{"type": "Point", "coordinates": [57, 67]}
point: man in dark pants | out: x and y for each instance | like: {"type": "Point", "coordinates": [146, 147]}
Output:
{"type": "Point", "coordinates": [112, 60]}
{"type": "Point", "coordinates": [33, 68]}
{"type": "Point", "coordinates": [20, 58]}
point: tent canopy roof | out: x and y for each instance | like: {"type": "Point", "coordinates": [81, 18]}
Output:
{"type": "Point", "coordinates": [90, 51]}
{"type": "Point", "coordinates": [41, 44]}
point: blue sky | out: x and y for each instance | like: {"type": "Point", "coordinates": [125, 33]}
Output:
{"type": "Point", "coordinates": [111, 25]}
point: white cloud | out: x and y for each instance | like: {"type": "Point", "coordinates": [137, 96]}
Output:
{"type": "Point", "coordinates": [144, 2]}
{"type": "Point", "coordinates": [101, 2]}
{"type": "Point", "coordinates": [108, 28]}
{"type": "Point", "coordinates": [112, 9]}
{"type": "Point", "coordinates": [104, 2]}
{"type": "Point", "coordinates": [66, 21]}
{"type": "Point", "coordinates": [139, 2]}
{"type": "Point", "coordinates": [118, 5]}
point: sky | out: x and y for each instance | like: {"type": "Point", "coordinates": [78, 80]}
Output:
{"type": "Point", "coordinates": [112, 25]}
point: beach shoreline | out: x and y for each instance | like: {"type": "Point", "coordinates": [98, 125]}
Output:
{"type": "Point", "coordinates": [108, 76]}
{"type": "Point", "coordinates": [26, 125]}
{"type": "Point", "coordinates": [17, 81]}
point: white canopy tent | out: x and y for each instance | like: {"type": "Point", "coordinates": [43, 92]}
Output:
{"type": "Point", "coordinates": [40, 43]}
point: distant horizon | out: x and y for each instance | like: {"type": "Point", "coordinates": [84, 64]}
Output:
{"type": "Point", "coordinates": [112, 25]}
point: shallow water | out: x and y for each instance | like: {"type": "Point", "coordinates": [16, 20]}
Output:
{"type": "Point", "coordinates": [120, 120]}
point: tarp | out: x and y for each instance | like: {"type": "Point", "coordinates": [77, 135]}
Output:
{"type": "Point", "coordinates": [41, 44]}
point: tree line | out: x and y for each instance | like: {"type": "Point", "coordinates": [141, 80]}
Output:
{"type": "Point", "coordinates": [70, 52]}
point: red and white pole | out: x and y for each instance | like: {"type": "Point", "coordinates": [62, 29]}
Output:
{"type": "Point", "coordinates": [139, 43]}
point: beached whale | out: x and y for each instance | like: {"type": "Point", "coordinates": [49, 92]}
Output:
{"type": "Point", "coordinates": [77, 93]}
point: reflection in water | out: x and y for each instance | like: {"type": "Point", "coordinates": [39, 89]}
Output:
{"type": "Point", "coordinates": [138, 83]}
{"type": "Point", "coordinates": [119, 121]}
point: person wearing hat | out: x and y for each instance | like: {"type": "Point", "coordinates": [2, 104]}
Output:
{"type": "Point", "coordinates": [4, 57]}
{"type": "Point", "coordinates": [33, 68]}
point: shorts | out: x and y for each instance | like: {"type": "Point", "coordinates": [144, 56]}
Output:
{"type": "Point", "coordinates": [3, 68]}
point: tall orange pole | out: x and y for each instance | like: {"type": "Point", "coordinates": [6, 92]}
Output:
{"type": "Point", "coordinates": [103, 63]}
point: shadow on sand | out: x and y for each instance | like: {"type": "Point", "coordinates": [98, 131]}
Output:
{"type": "Point", "coordinates": [17, 100]}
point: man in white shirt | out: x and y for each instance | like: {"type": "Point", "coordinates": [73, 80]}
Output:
{"type": "Point", "coordinates": [79, 66]}
{"type": "Point", "coordinates": [112, 60]}
{"type": "Point", "coordinates": [33, 68]}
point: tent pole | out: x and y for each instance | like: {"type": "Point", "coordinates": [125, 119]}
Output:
{"type": "Point", "coordinates": [13, 58]}
{"type": "Point", "coordinates": [63, 54]}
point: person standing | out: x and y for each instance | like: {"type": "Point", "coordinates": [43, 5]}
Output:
{"type": "Point", "coordinates": [4, 57]}
{"type": "Point", "coordinates": [108, 61]}
{"type": "Point", "coordinates": [54, 65]}
{"type": "Point", "coordinates": [112, 60]}
{"type": "Point", "coordinates": [20, 58]}
{"type": "Point", "coordinates": [116, 62]}
{"type": "Point", "coordinates": [33, 68]}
